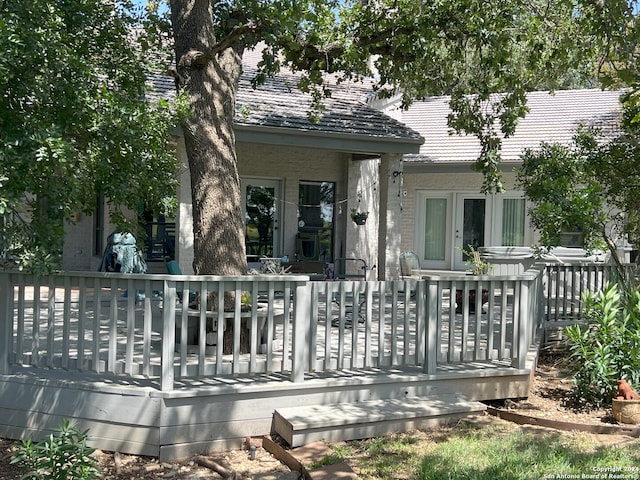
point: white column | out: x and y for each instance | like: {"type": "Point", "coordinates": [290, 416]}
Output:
{"type": "Point", "coordinates": [363, 192]}
{"type": "Point", "coordinates": [389, 233]}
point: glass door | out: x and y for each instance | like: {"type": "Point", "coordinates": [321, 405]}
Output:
{"type": "Point", "coordinates": [470, 228]}
{"type": "Point", "coordinates": [261, 217]}
{"type": "Point", "coordinates": [314, 241]}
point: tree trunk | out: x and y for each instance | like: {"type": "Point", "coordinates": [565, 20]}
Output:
{"type": "Point", "coordinates": [210, 81]}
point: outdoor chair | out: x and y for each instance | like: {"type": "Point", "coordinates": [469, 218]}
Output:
{"type": "Point", "coordinates": [349, 269]}
{"type": "Point", "coordinates": [173, 268]}
{"type": "Point", "coordinates": [408, 261]}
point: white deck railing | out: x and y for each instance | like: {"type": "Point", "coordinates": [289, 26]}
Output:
{"type": "Point", "coordinates": [141, 326]}
{"type": "Point", "coordinates": [565, 284]}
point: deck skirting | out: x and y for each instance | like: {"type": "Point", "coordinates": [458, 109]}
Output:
{"type": "Point", "coordinates": [199, 418]}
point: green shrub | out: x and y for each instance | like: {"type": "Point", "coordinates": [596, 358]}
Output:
{"type": "Point", "coordinates": [63, 456]}
{"type": "Point", "coordinates": [607, 348]}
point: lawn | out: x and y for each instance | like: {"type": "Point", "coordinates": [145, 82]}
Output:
{"type": "Point", "coordinates": [491, 452]}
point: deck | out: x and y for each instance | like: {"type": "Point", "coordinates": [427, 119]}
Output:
{"type": "Point", "coordinates": [122, 355]}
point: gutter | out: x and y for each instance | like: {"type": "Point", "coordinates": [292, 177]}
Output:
{"type": "Point", "coordinates": [326, 140]}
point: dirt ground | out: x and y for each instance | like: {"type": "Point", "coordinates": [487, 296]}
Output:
{"type": "Point", "coordinates": [132, 467]}
{"type": "Point", "coordinates": [547, 399]}
{"type": "Point", "coordinates": [549, 396]}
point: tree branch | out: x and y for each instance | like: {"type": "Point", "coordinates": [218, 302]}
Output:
{"type": "Point", "coordinates": [233, 36]}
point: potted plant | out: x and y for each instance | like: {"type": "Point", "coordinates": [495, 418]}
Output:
{"type": "Point", "coordinates": [359, 218]}
{"type": "Point", "coordinates": [477, 265]}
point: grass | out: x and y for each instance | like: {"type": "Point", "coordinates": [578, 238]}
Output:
{"type": "Point", "coordinates": [468, 451]}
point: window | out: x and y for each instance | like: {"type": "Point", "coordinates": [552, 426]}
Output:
{"type": "Point", "coordinates": [98, 227]}
{"type": "Point", "coordinates": [315, 221]}
{"type": "Point", "coordinates": [260, 217]}
{"type": "Point", "coordinates": [513, 222]}
{"type": "Point", "coordinates": [435, 229]}
{"type": "Point", "coordinates": [572, 239]}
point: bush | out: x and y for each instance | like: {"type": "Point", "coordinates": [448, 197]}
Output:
{"type": "Point", "coordinates": [607, 349]}
{"type": "Point", "coordinates": [62, 456]}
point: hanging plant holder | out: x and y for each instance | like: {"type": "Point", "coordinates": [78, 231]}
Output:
{"type": "Point", "coordinates": [359, 218]}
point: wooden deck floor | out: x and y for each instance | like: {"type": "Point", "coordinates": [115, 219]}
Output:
{"type": "Point", "coordinates": [132, 415]}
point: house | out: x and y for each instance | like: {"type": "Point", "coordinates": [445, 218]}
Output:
{"type": "Point", "coordinates": [318, 363]}
{"type": "Point", "coordinates": [443, 210]}
{"type": "Point", "coordinates": [299, 179]}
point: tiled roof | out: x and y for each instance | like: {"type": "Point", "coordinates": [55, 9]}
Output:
{"type": "Point", "coordinates": [552, 118]}
{"type": "Point", "coordinates": [280, 104]}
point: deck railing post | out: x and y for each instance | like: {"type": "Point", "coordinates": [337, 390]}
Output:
{"type": "Point", "coordinates": [6, 319]}
{"type": "Point", "coordinates": [430, 289]}
{"type": "Point", "coordinates": [540, 297]}
{"type": "Point", "coordinates": [523, 324]}
{"type": "Point", "coordinates": [301, 331]}
{"type": "Point", "coordinates": [421, 317]}
{"type": "Point", "coordinates": [168, 336]}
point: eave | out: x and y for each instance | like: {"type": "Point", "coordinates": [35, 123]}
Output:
{"type": "Point", "coordinates": [335, 141]}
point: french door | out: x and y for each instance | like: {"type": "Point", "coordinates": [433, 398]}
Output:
{"type": "Point", "coordinates": [470, 227]}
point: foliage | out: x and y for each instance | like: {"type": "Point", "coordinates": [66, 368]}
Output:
{"type": "Point", "coordinates": [358, 217]}
{"type": "Point", "coordinates": [64, 455]}
{"type": "Point", "coordinates": [607, 349]}
{"type": "Point", "coordinates": [75, 121]}
{"type": "Point", "coordinates": [477, 265]}
{"type": "Point", "coordinates": [246, 301]}
{"type": "Point", "coordinates": [567, 197]}
{"type": "Point", "coordinates": [591, 186]}
{"type": "Point", "coordinates": [486, 59]}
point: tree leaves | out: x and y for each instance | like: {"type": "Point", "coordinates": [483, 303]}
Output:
{"type": "Point", "coordinates": [74, 119]}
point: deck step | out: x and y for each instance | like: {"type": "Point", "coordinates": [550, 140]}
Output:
{"type": "Point", "coordinates": [350, 421]}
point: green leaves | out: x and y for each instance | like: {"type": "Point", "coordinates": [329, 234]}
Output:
{"type": "Point", "coordinates": [63, 455]}
{"type": "Point", "coordinates": [566, 191]}
{"type": "Point", "coordinates": [606, 349]}
{"type": "Point", "coordinates": [485, 58]}
{"type": "Point", "coordinates": [591, 186]}
{"type": "Point", "coordinates": [74, 120]}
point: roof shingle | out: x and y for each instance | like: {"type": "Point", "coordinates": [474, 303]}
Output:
{"type": "Point", "coordinates": [278, 103]}
{"type": "Point", "coordinates": [552, 118]}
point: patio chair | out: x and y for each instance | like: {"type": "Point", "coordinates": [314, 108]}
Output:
{"type": "Point", "coordinates": [349, 269]}
{"type": "Point", "coordinates": [307, 246]}
{"type": "Point", "coordinates": [173, 268]}
{"type": "Point", "coordinates": [408, 261]}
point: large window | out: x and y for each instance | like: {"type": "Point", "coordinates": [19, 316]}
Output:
{"type": "Point", "coordinates": [435, 229]}
{"type": "Point", "coordinates": [260, 217]}
{"type": "Point", "coordinates": [315, 221]}
{"type": "Point", "coordinates": [513, 222]}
